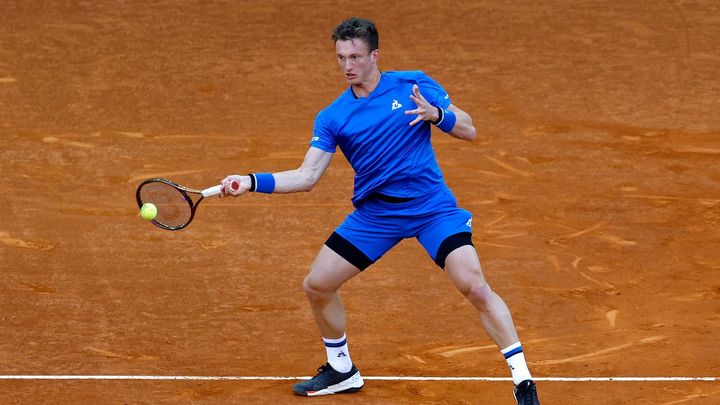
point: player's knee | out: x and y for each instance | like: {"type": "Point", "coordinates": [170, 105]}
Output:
{"type": "Point", "coordinates": [314, 291]}
{"type": "Point", "coordinates": [309, 288]}
{"type": "Point", "coordinates": [480, 294]}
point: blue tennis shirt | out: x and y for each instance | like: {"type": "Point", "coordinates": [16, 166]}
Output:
{"type": "Point", "coordinates": [388, 155]}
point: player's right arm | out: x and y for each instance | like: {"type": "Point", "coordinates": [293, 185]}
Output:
{"type": "Point", "coordinates": [303, 178]}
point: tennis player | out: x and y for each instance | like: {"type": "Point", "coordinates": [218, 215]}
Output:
{"type": "Point", "coordinates": [382, 124]}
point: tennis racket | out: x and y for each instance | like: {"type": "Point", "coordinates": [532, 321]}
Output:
{"type": "Point", "coordinates": [175, 204]}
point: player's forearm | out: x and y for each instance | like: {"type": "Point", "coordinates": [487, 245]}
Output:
{"type": "Point", "coordinates": [294, 181]}
{"type": "Point", "coordinates": [463, 128]}
{"type": "Point", "coordinates": [291, 181]}
{"type": "Point", "coordinates": [306, 176]}
{"type": "Point", "coordinates": [303, 178]}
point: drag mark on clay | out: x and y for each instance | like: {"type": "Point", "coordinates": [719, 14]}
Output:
{"type": "Point", "coordinates": [19, 243]}
{"type": "Point", "coordinates": [495, 174]}
{"type": "Point", "coordinates": [282, 155]}
{"type": "Point", "coordinates": [494, 228]}
{"type": "Point", "coordinates": [705, 201]}
{"type": "Point", "coordinates": [197, 136]}
{"type": "Point", "coordinates": [600, 353]}
{"type": "Point", "coordinates": [612, 317]}
{"type": "Point", "coordinates": [131, 134]}
{"type": "Point", "coordinates": [576, 266]}
{"type": "Point", "coordinates": [510, 168]}
{"type": "Point", "coordinates": [696, 149]}
{"type": "Point", "coordinates": [463, 350]}
{"type": "Point", "coordinates": [555, 262]}
{"type": "Point", "coordinates": [37, 288]}
{"type": "Point", "coordinates": [584, 231]}
{"type": "Point", "coordinates": [114, 355]}
{"type": "Point", "coordinates": [692, 397]}
{"type": "Point", "coordinates": [506, 235]}
{"type": "Point", "coordinates": [617, 240]}
{"type": "Point", "coordinates": [52, 139]}
{"type": "Point", "coordinates": [451, 351]}
{"type": "Point", "coordinates": [7, 79]}
{"type": "Point", "coordinates": [496, 220]}
{"type": "Point", "coordinates": [498, 245]}
{"type": "Point", "coordinates": [415, 358]}
{"type": "Point", "coordinates": [601, 284]}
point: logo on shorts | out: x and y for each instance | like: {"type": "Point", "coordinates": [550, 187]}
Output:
{"type": "Point", "coordinates": [315, 138]}
{"type": "Point", "coordinates": [395, 105]}
{"type": "Point", "coordinates": [469, 223]}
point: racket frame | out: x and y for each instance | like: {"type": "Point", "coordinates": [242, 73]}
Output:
{"type": "Point", "coordinates": [184, 191]}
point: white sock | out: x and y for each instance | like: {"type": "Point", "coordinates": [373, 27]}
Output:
{"type": "Point", "coordinates": [338, 354]}
{"type": "Point", "coordinates": [516, 360]}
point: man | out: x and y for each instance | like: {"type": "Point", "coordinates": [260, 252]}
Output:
{"type": "Point", "coordinates": [399, 193]}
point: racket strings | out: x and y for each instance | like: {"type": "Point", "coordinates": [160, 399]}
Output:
{"type": "Point", "coordinates": [173, 207]}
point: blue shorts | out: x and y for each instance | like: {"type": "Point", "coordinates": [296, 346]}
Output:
{"type": "Point", "coordinates": [376, 226]}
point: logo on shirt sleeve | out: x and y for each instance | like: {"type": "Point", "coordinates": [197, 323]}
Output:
{"type": "Point", "coordinates": [315, 138]}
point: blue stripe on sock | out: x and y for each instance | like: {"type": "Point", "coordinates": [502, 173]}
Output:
{"type": "Point", "coordinates": [339, 344]}
{"type": "Point", "coordinates": [513, 352]}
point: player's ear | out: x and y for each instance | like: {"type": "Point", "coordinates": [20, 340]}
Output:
{"type": "Point", "coordinates": [374, 55]}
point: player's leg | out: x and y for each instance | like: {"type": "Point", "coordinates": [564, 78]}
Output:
{"type": "Point", "coordinates": [448, 240]}
{"type": "Point", "coordinates": [463, 267]}
{"type": "Point", "coordinates": [357, 243]}
{"type": "Point", "coordinates": [354, 246]}
{"type": "Point", "coordinates": [327, 274]}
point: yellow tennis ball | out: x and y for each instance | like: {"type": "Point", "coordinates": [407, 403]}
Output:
{"type": "Point", "coordinates": [148, 211]}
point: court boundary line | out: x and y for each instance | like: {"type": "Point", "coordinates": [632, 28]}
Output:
{"type": "Point", "coordinates": [377, 378]}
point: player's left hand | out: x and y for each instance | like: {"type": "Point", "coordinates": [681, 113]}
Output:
{"type": "Point", "coordinates": [425, 110]}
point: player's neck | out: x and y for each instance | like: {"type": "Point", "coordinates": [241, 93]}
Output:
{"type": "Point", "coordinates": [365, 88]}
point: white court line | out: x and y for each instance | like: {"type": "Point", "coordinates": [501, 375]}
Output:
{"type": "Point", "coordinates": [381, 378]}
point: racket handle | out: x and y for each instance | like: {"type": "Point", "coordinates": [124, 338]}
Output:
{"type": "Point", "coordinates": [215, 190]}
{"type": "Point", "coordinates": [212, 191]}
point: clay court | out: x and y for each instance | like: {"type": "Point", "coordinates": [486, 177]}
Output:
{"type": "Point", "coordinates": [594, 184]}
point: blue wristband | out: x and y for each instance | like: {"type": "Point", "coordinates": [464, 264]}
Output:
{"type": "Point", "coordinates": [447, 120]}
{"type": "Point", "coordinates": [262, 182]}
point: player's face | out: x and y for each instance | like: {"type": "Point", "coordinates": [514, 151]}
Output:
{"type": "Point", "coordinates": [356, 61]}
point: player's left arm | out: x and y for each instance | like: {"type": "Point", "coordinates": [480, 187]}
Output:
{"type": "Point", "coordinates": [452, 120]}
{"type": "Point", "coordinates": [463, 128]}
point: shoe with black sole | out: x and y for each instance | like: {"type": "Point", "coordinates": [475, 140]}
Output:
{"type": "Point", "coordinates": [525, 393]}
{"type": "Point", "coordinates": [328, 381]}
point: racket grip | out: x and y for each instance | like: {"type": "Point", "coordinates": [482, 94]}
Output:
{"type": "Point", "coordinates": [212, 191]}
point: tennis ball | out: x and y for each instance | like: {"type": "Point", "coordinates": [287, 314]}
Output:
{"type": "Point", "coordinates": [148, 211]}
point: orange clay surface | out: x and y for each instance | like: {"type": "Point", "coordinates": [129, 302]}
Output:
{"type": "Point", "coordinates": [594, 185]}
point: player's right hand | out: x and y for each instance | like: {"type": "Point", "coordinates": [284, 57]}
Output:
{"type": "Point", "coordinates": [234, 185]}
{"type": "Point", "coordinates": [424, 111]}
